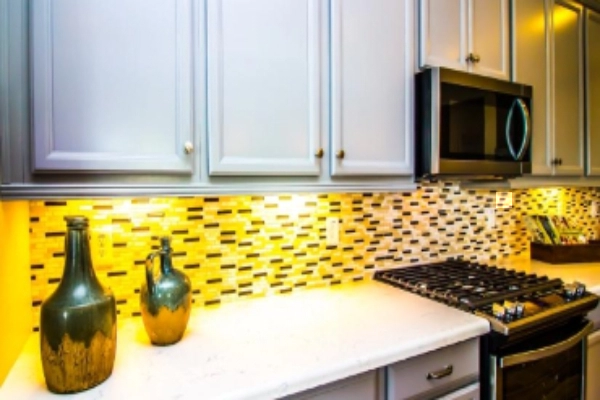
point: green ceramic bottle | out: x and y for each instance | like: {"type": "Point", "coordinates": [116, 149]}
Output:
{"type": "Point", "coordinates": [78, 321]}
{"type": "Point", "coordinates": [165, 300]}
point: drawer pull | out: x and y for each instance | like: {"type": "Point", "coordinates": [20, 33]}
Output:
{"type": "Point", "coordinates": [447, 370]}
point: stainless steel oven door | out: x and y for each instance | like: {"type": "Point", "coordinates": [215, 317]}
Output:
{"type": "Point", "coordinates": [554, 371]}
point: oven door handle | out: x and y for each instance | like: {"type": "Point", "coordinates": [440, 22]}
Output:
{"type": "Point", "coordinates": [548, 351]}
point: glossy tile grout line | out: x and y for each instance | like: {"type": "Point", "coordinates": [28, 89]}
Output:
{"type": "Point", "coordinates": [236, 247]}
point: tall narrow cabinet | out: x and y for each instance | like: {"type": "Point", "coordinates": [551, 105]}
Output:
{"type": "Point", "coordinates": [592, 52]}
{"type": "Point", "coordinates": [548, 55]}
{"type": "Point", "coordinates": [264, 82]}
{"type": "Point", "coordinates": [372, 87]}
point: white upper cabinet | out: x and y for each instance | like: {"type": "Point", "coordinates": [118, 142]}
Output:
{"type": "Point", "coordinates": [548, 55]}
{"type": "Point", "coordinates": [443, 33]}
{"type": "Point", "coordinates": [470, 35]}
{"type": "Point", "coordinates": [531, 66]}
{"type": "Point", "coordinates": [567, 78]}
{"type": "Point", "coordinates": [264, 80]}
{"type": "Point", "coordinates": [372, 87]}
{"type": "Point", "coordinates": [592, 53]}
{"type": "Point", "coordinates": [489, 37]}
{"type": "Point", "coordinates": [112, 85]}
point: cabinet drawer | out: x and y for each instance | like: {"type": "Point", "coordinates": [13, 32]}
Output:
{"type": "Point", "coordinates": [409, 378]}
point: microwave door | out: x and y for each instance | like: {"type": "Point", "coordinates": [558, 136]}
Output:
{"type": "Point", "coordinates": [518, 107]}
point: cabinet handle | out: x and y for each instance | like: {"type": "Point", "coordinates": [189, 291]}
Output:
{"type": "Point", "coordinates": [447, 370]}
{"type": "Point", "coordinates": [560, 161]}
{"type": "Point", "coordinates": [473, 58]}
{"type": "Point", "coordinates": [319, 153]}
{"type": "Point", "coordinates": [188, 147]}
{"type": "Point", "coordinates": [340, 154]}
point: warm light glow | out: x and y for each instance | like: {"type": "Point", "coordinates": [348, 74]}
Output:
{"type": "Point", "coordinates": [538, 24]}
{"type": "Point", "coordinates": [563, 17]}
{"type": "Point", "coordinates": [504, 200]}
{"type": "Point", "coordinates": [15, 286]}
{"type": "Point", "coordinates": [551, 201]}
{"type": "Point", "coordinates": [292, 205]}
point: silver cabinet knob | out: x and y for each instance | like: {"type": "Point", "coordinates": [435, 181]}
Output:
{"type": "Point", "coordinates": [188, 147]}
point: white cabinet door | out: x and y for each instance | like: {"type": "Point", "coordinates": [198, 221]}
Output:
{"type": "Point", "coordinates": [443, 33]}
{"type": "Point", "coordinates": [365, 386]}
{"type": "Point", "coordinates": [531, 67]}
{"type": "Point", "coordinates": [264, 87]}
{"type": "Point", "coordinates": [489, 37]}
{"type": "Point", "coordinates": [593, 367]}
{"type": "Point", "coordinates": [592, 53]}
{"type": "Point", "coordinates": [452, 30]}
{"type": "Point", "coordinates": [372, 87]}
{"type": "Point", "coordinates": [112, 85]}
{"type": "Point", "coordinates": [568, 87]}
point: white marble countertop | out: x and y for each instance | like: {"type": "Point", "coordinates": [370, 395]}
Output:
{"type": "Point", "coordinates": [267, 348]}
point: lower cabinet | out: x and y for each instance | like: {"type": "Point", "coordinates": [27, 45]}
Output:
{"type": "Point", "coordinates": [449, 373]}
{"type": "Point", "coordinates": [435, 374]}
{"type": "Point", "coordinates": [593, 367]}
{"type": "Point", "coordinates": [365, 386]}
{"type": "Point", "coordinates": [470, 392]}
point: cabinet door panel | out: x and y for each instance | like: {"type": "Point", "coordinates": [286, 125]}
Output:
{"type": "Point", "coordinates": [443, 33]}
{"type": "Point", "coordinates": [263, 87]}
{"type": "Point", "coordinates": [530, 58]}
{"type": "Point", "coordinates": [568, 87]}
{"type": "Point", "coordinates": [372, 79]}
{"type": "Point", "coordinates": [112, 82]}
{"type": "Point", "coordinates": [408, 379]}
{"type": "Point", "coordinates": [489, 37]}
{"type": "Point", "coordinates": [593, 92]}
{"type": "Point", "coordinates": [593, 367]}
{"type": "Point", "coordinates": [365, 386]}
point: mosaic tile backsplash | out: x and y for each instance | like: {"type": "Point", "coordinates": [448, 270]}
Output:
{"type": "Point", "coordinates": [236, 247]}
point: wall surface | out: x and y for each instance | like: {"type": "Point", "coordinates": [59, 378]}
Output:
{"type": "Point", "coordinates": [15, 289]}
{"type": "Point", "coordinates": [247, 246]}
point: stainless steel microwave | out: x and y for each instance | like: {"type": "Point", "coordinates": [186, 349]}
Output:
{"type": "Point", "coordinates": [469, 125]}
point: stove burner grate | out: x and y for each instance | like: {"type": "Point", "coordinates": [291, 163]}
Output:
{"type": "Point", "coordinates": [467, 285]}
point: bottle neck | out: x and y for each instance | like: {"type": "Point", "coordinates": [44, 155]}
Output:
{"type": "Point", "coordinates": [78, 261]}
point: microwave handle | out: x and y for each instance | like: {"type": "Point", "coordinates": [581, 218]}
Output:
{"type": "Point", "coordinates": [522, 107]}
{"type": "Point", "coordinates": [548, 351]}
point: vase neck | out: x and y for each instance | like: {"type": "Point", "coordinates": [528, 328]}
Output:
{"type": "Point", "coordinates": [166, 263]}
{"type": "Point", "coordinates": [78, 261]}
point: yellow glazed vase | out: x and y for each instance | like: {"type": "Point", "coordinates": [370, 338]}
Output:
{"type": "Point", "coordinates": [165, 299]}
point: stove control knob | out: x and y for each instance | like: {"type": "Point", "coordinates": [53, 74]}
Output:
{"type": "Point", "coordinates": [574, 290]}
{"type": "Point", "coordinates": [510, 307]}
{"type": "Point", "coordinates": [580, 289]}
{"type": "Point", "coordinates": [569, 291]}
{"type": "Point", "coordinates": [499, 311]}
{"type": "Point", "coordinates": [519, 309]}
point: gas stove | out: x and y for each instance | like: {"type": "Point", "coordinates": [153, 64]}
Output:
{"type": "Point", "coordinates": [512, 301]}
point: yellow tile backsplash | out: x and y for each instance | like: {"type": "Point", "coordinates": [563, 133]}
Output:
{"type": "Point", "coordinates": [248, 246]}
